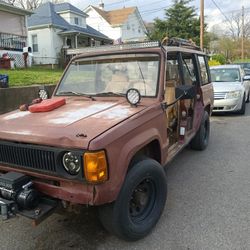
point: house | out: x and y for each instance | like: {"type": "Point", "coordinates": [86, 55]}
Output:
{"type": "Point", "coordinates": [123, 24]}
{"type": "Point", "coordinates": [55, 27]}
{"type": "Point", "coordinates": [13, 32]}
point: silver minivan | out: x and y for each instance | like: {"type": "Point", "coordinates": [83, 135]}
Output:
{"type": "Point", "coordinates": [231, 88]}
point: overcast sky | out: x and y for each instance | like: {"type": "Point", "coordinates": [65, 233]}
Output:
{"type": "Point", "coordinates": [152, 9]}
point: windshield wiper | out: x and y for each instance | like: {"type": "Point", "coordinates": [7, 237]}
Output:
{"type": "Point", "coordinates": [76, 93]}
{"type": "Point", "coordinates": [142, 76]}
{"type": "Point", "coordinates": [110, 93]}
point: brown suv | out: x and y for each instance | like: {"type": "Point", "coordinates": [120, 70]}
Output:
{"type": "Point", "coordinates": [119, 114]}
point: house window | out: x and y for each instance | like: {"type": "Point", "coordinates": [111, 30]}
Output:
{"type": "Point", "coordinates": [139, 30]}
{"type": "Point", "coordinates": [34, 43]}
{"type": "Point", "coordinates": [128, 27]}
{"type": "Point", "coordinates": [76, 21]}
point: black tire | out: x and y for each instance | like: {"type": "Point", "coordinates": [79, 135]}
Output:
{"type": "Point", "coordinates": [139, 204]}
{"type": "Point", "coordinates": [200, 140]}
{"type": "Point", "coordinates": [243, 106]}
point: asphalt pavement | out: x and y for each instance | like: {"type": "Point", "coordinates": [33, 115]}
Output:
{"type": "Point", "coordinates": [208, 205]}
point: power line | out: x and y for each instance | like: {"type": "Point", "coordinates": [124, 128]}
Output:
{"type": "Point", "coordinates": [221, 11]}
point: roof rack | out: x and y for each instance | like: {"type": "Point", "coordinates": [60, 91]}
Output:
{"type": "Point", "coordinates": [135, 45]}
{"type": "Point", "coordinates": [179, 42]}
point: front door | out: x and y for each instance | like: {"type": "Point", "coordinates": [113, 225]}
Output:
{"type": "Point", "coordinates": [181, 70]}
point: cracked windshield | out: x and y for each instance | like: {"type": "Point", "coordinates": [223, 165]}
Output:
{"type": "Point", "coordinates": [111, 75]}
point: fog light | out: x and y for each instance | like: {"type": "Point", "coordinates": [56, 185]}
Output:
{"type": "Point", "coordinates": [71, 163]}
{"type": "Point", "coordinates": [95, 166]}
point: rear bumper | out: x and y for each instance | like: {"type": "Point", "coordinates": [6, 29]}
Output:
{"type": "Point", "coordinates": [227, 105]}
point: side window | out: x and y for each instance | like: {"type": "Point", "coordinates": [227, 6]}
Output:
{"type": "Point", "coordinates": [203, 69]}
{"type": "Point", "coordinates": [189, 75]}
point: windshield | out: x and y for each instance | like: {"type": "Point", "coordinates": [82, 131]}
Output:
{"type": "Point", "coordinates": [107, 75]}
{"type": "Point", "coordinates": [225, 75]}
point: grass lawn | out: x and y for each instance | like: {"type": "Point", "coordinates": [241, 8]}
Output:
{"type": "Point", "coordinates": [32, 76]}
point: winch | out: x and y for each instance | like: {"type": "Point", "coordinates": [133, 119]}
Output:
{"type": "Point", "coordinates": [16, 193]}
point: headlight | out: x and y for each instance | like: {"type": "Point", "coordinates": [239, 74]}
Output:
{"type": "Point", "coordinates": [95, 166]}
{"type": "Point", "coordinates": [72, 163]}
{"type": "Point", "coordinates": [233, 94]}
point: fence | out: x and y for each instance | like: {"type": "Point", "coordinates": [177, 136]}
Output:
{"type": "Point", "coordinates": [17, 57]}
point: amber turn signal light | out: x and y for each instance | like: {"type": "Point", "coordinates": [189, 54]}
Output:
{"type": "Point", "coordinates": [95, 166]}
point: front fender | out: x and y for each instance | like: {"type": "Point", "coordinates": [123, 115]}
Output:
{"type": "Point", "coordinates": [120, 156]}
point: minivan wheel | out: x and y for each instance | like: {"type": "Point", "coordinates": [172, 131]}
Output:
{"type": "Point", "coordinates": [139, 204]}
{"type": "Point", "coordinates": [243, 106]}
{"type": "Point", "coordinates": [200, 140]}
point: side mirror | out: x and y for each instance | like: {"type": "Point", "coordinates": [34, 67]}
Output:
{"type": "Point", "coordinates": [246, 78]}
{"type": "Point", "coordinates": [185, 92]}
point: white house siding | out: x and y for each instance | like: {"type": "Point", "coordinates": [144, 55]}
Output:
{"type": "Point", "coordinates": [12, 24]}
{"type": "Point", "coordinates": [49, 45]}
{"type": "Point", "coordinates": [70, 18]}
{"type": "Point", "coordinates": [56, 45]}
{"type": "Point", "coordinates": [132, 29]}
{"type": "Point", "coordinates": [99, 23]}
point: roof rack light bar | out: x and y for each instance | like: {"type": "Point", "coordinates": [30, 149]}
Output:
{"type": "Point", "coordinates": [114, 47]}
{"type": "Point", "coordinates": [175, 41]}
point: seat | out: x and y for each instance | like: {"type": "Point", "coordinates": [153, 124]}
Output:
{"type": "Point", "coordinates": [119, 82]}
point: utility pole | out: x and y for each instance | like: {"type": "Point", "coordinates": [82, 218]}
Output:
{"type": "Point", "coordinates": [242, 34]}
{"type": "Point", "coordinates": [201, 24]}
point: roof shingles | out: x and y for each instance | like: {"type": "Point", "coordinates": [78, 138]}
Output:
{"type": "Point", "coordinates": [115, 17]}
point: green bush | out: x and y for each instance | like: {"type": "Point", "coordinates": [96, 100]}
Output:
{"type": "Point", "coordinates": [213, 63]}
{"type": "Point", "coordinates": [220, 58]}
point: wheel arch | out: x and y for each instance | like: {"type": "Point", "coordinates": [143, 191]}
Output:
{"type": "Point", "coordinates": [151, 150]}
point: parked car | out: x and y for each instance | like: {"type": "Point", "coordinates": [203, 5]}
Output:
{"type": "Point", "coordinates": [245, 66]}
{"type": "Point", "coordinates": [231, 88]}
{"type": "Point", "coordinates": [119, 114]}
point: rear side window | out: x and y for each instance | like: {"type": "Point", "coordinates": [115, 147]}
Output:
{"type": "Point", "coordinates": [203, 69]}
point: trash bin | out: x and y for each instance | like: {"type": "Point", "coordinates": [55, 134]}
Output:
{"type": "Point", "coordinates": [5, 63]}
{"type": "Point", "coordinates": [4, 81]}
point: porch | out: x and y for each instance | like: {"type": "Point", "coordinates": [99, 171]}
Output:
{"type": "Point", "coordinates": [12, 42]}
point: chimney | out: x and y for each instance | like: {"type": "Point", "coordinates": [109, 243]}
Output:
{"type": "Point", "coordinates": [101, 5]}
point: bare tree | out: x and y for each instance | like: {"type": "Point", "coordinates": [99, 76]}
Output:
{"type": "Point", "coordinates": [235, 26]}
{"type": "Point", "coordinates": [12, 2]}
{"type": "Point", "coordinates": [30, 4]}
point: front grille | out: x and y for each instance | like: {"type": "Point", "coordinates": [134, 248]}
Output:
{"type": "Point", "coordinates": [43, 159]}
{"type": "Point", "coordinates": [26, 156]}
{"type": "Point", "coordinates": [218, 108]}
{"type": "Point", "coordinates": [219, 95]}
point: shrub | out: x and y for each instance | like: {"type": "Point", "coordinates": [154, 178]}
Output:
{"type": "Point", "coordinates": [213, 63]}
{"type": "Point", "coordinates": [220, 58]}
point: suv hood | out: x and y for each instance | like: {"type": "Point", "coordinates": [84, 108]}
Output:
{"type": "Point", "coordinates": [72, 125]}
{"type": "Point", "coordinates": [226, 86]}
